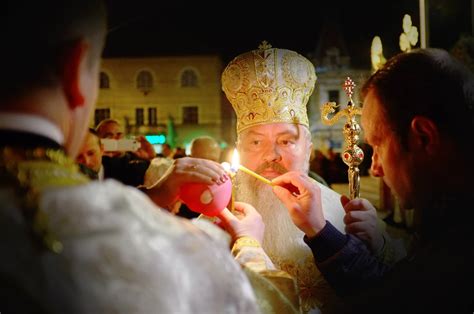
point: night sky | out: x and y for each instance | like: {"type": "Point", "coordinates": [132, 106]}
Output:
{"type": "Point", "coordinates": [158, 28]}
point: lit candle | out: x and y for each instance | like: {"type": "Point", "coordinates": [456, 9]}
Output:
{"type": "Point", "coordinates": [232, 194]}
{"type": "Point", "coordinates": [231, 173]}
{"type": "Point", "coordinates": [237, 166]}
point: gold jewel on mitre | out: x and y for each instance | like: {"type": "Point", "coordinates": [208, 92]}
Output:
{"type": "Point", "coordinates": [269, 85]}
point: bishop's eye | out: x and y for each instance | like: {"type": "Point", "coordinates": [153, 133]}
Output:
{"type": "Point", "coordinates": [286, 142]}
{"type": "Point", "coordinates": [254, 144]}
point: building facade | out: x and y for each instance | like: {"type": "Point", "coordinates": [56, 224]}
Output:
{"type": "Point", "coordinates": [329, 88]}
{"type": "Point", "coordinates": [333, 65]}
{"type": "Point", "coordinates": [177, 98]}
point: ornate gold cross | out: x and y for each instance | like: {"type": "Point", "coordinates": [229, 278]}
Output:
{"type": "Point", "coordinates": [353, 154]}
{"type": "Point", "coordinates": [264, 45]}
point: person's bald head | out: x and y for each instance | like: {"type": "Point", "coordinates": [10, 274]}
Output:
{"type": "Point", "coordinates": [205, 147]}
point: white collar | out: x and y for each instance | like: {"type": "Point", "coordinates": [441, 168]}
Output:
{"type": "Point", "coordinates": [101, 173]}
{"type": "Point", "coordinates": [31, 124]}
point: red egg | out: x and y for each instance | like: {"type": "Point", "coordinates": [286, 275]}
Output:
{"type": "Point", "coordinates": [209, 200]}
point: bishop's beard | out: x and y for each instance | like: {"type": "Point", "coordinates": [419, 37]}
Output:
{"type": "Point", "coordinates": [283, 241]}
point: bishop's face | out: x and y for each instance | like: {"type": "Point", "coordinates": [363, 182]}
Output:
{"type": "Point", "coordinates": [275, 148]}
{"type": "Point", "coordinates": [270, 150]}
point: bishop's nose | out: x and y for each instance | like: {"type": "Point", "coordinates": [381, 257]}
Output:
{"type": "Point", "coordinates": [272, 154]}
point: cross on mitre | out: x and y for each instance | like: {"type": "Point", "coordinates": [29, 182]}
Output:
{"type": "Point", "coordinates": [264, 45]}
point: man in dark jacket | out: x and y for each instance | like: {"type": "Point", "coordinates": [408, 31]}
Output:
{"type": "Point", "coordinates": [126, 168]}
{"type": "Point", "coordinates": [418, 116]}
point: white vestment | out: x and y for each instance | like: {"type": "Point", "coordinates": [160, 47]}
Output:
{"type": "Point", "coordinates": [122, 254]}
{"type": "Point", "coordinates": [315, 292]}
{"type": "Point", "coordinates": [283, 241]}
{"type": "Point", "coordinates": [332, 207]}
{"type": "Point", "coordinates": [129, 256]}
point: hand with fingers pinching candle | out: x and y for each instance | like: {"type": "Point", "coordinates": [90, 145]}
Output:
{"type": "Point", "coordinates": [361, 220]}
{"type": "Point", "coordinates": [244, 222]}
{"type": "Point", "coordinates": [303, 199]}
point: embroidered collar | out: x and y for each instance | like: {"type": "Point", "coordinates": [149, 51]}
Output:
{"type": "Point", "coordinates": [29, 171]}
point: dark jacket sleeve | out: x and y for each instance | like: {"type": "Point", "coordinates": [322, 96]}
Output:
{"type": "Point", "coordinates": [126, 169]}
{"type": "Point", "coordinates": [345, 261]}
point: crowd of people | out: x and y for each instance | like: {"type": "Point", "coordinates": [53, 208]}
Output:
{"type": "Point", "coordinates": [330, 166]}
{"type": "Point", "coordinates": [88, 230]}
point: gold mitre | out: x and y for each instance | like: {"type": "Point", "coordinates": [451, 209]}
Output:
{"type": "Point", "coordinates": [269, 85]}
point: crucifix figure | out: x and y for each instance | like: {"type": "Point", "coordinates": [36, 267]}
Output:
{"type": "Point", "coordinates": [352, 154]}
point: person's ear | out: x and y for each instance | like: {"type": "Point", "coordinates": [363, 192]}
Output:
{"type": "Point", "coordinates": [73, 65]}
{"type": "Point", "coordinates": [424, 134]}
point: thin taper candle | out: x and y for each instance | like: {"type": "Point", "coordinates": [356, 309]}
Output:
{"type": "Point", "coordinates": [231, 174]}
{"type": "Point", "coordinates": [232, 196]}
{"type": "Point", "coordinates": [250, 172]}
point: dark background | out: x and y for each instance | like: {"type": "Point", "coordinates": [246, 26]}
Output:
{"type": "Point", "coordinates": [228, 28]}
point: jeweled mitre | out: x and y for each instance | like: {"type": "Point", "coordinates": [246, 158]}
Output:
{"type": "Point", "coordinates": [269, 85]}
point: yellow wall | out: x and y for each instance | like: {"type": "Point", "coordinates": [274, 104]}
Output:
{"type": "Point", "coordinates": [167, 94]}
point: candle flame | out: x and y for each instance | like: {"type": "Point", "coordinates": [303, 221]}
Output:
{"type": "Point", "coordinates": [237, 166]}
{"type": "Point", "coordinates": [235, 160]}
{"type": "Point", "coordinates": [226, 166]}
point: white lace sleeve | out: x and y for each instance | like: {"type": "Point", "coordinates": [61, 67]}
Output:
{"type": "Point", "coordinates": [127, 256]}
{"type": "Point", "coordinates": [157, 168]}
